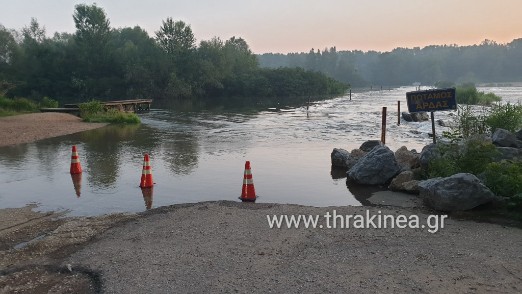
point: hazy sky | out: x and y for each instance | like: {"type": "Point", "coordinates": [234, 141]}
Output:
{"type": "Point", "coordinates": [298, 25]}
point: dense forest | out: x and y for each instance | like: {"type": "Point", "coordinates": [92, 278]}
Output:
{"type": "Point", "coordinates": [487, 62]}
{"type": "Point", "coordinates": [104, 63]}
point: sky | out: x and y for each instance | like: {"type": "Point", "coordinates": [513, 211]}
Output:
{"type": "Point", "coordinates": [283, 26]}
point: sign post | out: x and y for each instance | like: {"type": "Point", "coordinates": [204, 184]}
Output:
{"type": "Point", "coordinates": [432, 100]}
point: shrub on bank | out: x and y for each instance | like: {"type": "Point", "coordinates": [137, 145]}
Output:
{"type": "Point", "coordinates": [479, 157]}
{"type": "Point", "coordinates": [470, 122]}
{"type": "Point", "coordinates": [93, 111]}
{"type": "Point", "coordinates": [17, 105]}
{"type": "Point", "coordinates": [468, 94]}
{"type": "Point", "coordinates": [506, 116]}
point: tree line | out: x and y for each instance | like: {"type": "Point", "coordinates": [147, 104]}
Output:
{"type": "Point", "coordinates": [486, 62]}
{"type": "Point", "coordinates": [105, 63]}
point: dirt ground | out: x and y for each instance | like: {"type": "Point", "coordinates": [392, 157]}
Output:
{"type": "Point", "coordinates": [228, 247]}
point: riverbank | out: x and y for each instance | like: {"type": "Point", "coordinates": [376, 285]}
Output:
{"type": "Point", "coordinates": [26, 128]}
{"type": "Point", "coordinates": [228, 246]}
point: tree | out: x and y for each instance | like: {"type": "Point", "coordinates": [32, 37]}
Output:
{"type": "Point", "coordinates": [175, 37]}
{"type": "Point", "coordinates": [92, 77]}
{"type": "Point", "coordinates": [92, 25]}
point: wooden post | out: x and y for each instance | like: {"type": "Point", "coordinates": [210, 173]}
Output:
{"type": "Point", "coordinates": [350, 94]}
{"type": "Point", "coordinates": [383, 127]}
{"type": "Point", "coordinates": [433, 128]}
{"type": "Point", "coordinates": [399, 113]}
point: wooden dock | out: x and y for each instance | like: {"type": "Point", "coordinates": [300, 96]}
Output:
{"type": "Point", "coordinates": [135, 105]}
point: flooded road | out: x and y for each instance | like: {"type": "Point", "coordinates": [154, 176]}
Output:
{"type": "Point", "coordinates": [200, 156]}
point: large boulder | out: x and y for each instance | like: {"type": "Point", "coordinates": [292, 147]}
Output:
{"type": "Point", "coordinates": [407, 159]}
{"type": "Point", "coordinates": [369, 145]}
{"type": "Point", "coordinates": [406, 116]}
{"type": "Point", "coordinates": [377, 167]}
{"type": "Point", "coordinates": [509, 153]}
{"type": "Point", "coordinates": [519, 135]}
{"type": "Point", "coordinates": [339, 157]}
{"type": "Point", "coordinates": [505, 138]}
{"type": "Point", "coordinates": [459, 192]}
{"type": "Point", "coordinates": [428, 153]}
{"type": "Point", "coordinates": [405, 182]}
{"type": "Point", "coordinates": [343, 158]}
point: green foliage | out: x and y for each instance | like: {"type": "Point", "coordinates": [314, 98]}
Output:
{"type": "Point", "coordinates": [48, 103]}
{"type": "Point", "coordinates": [17, 105]}
{"type": "Point", "coordinates": [506, 116]}
{"type": "Point", "coordinates": [91, 108]}
{"type": "Point", "coordinates": [470, 122]}
{"type": "Point", "coordinates": [468, 94]}
{"type": "Point", "coordinates": [94, 111]}
{"type": "Point", "coordinates": [505, 179]}
{"type": "Point", "coordinates": [114, 117]}
{"type": "Point", "coordinates": [472, 156]}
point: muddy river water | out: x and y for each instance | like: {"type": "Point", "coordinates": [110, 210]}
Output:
{"type": "Point", "coordinates": [200, 156]}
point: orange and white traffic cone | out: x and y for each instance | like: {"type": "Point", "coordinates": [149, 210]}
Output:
{"type": "Point", "coordinates": [147, 196]}
{"type": "Point", "coordinates": [76, 168]}
{"type": "Point", "coordinates": [77, 182]}
{"type": "Point", "coordinates": [146, 174]}
{"type": "Point", "coordinates": [248, 192]}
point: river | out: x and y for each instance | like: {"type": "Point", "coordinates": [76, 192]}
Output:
{"type": "Point", "coordinates": [200, 156]}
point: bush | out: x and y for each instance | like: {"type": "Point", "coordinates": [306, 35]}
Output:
{"type": "Point", "coordinates": [468, 94]}
{"type": "Point", "coordinates": [114, 117]}
{"type": "Point", "coordinates": [90, 108]}
{"type": "Point", "coordinates": [506, 116]}
{"type": "Point", "coordinates": [17, 105]}
{"type": "Point", "coordinates": [505, 179]}
{"type": "Point", "coordinates": [48, 103]}
{"type": "Point", "coordinates": [93, 111]}
{"type": "Point", "coordinates": [470, 157]}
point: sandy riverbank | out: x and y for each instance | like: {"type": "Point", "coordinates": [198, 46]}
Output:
{"type": "Point", "coordinates": [26, 128]}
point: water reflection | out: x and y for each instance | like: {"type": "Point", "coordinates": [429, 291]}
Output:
{"type": "Point", "coordinates": [181, 153]}
{"type": "Point", "coordinates": [147, 196]}
{"type": "Point", "coordinates": [13, 155]}
{"type": "Point", "coordinates": [363, 192]}
{"type": "Point", "coordinates": [104, 148]}
{"type": "Point", "coordinates": [338, 173]}
{"type": "Point", "coordinates": [77, 183]}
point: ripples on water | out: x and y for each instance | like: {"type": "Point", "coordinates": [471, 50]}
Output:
{"type": "Point", "coordinates": [199, 156]}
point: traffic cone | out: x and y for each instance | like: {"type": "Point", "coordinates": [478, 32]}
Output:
{"type": "Point", "coordinates": [76, 168]}
{"type": "Point", "coordinates": [77, 182]}
{"type": "Point", "coordinates": [248, 192]}
{"type": "Point", "coordinates": [147, 196]}
{"type": "Point", "coordinates": [146, 174]}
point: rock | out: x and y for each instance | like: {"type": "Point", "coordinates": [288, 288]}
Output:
{"type": "Point", "coordinates": [519, 135]}
{"type": "Point", "coordinates": [377, 167]}
{"type": "Point", "coordinates": [339, 157]}
{"type": "Point", "coordinates": [411, 187]}
{"type": "Point", "coordinates": [505, 138]}
{"type": "Point", "coordinates": [419, 116]}
{"type": "Point", "coordinates": [407, 159]}
{"type": "Point", "coordinates": [444, 123]}
{"type": "Point", "coordinates": [428, 153]}
{"type": "Point", "coordinates": [345, 159]}
{"type": "Point", "coordinates": [406, 116]}
{"type": "Point", "coordinates": [509, 153]}
{"type": "Point", "coordinates": [405, 182]}
{"type": "Point", "coordinates": [459, 192]}
{"type": "Point", "coordinates": [369, 145]}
